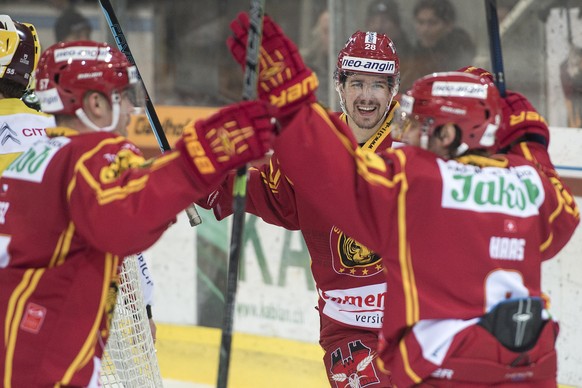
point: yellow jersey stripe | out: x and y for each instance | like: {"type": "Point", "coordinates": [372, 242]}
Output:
{"type": "Point", "coordinates": [407, 368]}
{"type": "Point", "coordinates": [12, 301]}
{"type": "Point", "coordinates": [11, 343]}
{"type": "Point", "coordinates": [63, 246]}
{"type": "Point", "coordinates": [88, 348]}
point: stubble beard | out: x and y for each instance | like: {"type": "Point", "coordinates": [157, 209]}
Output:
{"type": "Point", "coordinates": [367, 124]}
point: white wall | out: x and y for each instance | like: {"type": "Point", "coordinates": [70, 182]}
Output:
{"type": "Point", "coordinates": [172, 261]}
{"type": "Point", "coordinates": [562, 276]}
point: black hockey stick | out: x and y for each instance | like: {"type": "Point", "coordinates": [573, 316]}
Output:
{"type": "Point", "coordinates": [249, 92]}
{"type": "Point", "coordinates": [193, 216]}
{"type": "Point", "coordinates": [495, 45]}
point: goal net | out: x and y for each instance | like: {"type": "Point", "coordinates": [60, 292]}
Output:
{"type": "Point", "coordinates": [130, 357]}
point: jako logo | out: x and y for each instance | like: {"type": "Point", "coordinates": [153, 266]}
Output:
{"type": "Point", "coordinates": [516, 191]}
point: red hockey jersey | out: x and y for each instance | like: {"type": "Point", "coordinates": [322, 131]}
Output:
{"type": "Point", "coordinates": [348, 275]}
{"type": "Point", "coordinates": [59, 278]}
{"type": "Point", "coordinates": [456, 236]}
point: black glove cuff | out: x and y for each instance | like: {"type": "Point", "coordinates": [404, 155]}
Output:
{"type": "Point", "coordinates": [149, 311]}
{"type": "Point", "coordinates": [528, 137]}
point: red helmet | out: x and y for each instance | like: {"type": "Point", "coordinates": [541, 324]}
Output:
{"type": "Point", "coordinates": [19, 50]}
{"type": "Point", "coordinates": [66, 71]}
{"type": "Point", "coordinates": [471, 102]}
{"type": "Point", "coordinates": [370, 53]}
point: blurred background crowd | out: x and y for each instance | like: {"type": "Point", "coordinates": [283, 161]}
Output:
{"type": "Point", "coordinates": [179, 45]}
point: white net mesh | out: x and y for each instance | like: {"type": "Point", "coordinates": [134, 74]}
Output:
{"type": "Point", "coordinates": [130, 357]}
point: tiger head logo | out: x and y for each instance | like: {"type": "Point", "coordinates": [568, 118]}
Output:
{"type": "Point", "coordinates": [353, 258]}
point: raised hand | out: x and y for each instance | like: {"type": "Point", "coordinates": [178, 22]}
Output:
{"type": "Point", "coordinates": [230, 138]}
{"type": "Point", "coordinates": [284, 80]}
{"type": "Point", "coordinates": [521, 122]}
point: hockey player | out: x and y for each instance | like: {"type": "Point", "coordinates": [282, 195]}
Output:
{"type": "Point", "coordinates": [98, 203]}
{"type": "Point", "coordinates": [367, 78]}
{"type": "Point", "coordinates": [349, 276]}
{"type": "Point", "coordinates": [21, 125]}
{"type": "Point", "coordinates": [462, 233]}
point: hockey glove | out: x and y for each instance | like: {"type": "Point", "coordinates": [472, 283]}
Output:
{"type": "Point", "coordinates": [284, 80]}
{"type": "Point", "coordinates": [521, 122]}
{"type": "Point", "coordinates": [478, 71]}
{"type": "Point", "coordinates": [228, 139]}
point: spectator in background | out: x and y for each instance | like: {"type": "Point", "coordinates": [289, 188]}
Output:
{"type": "Point", "coordinates": [72, 25]}
{"type": "Point", "coordinates": [383, 16]}
{"type": "Point", "coordinates": [440, 45]}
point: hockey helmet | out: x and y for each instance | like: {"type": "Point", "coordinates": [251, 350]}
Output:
{"type": "Point", "coordinates": [19, 51]}
{"type": "Point", "coordinates": [471, 102]}
{"type": "Point", "coordinates": [68, 70]}
{"type": "Point", "coordinates": [369, 53]}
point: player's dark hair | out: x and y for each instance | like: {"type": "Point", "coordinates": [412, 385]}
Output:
{"type": "Point", "coordinates": [11, 89]}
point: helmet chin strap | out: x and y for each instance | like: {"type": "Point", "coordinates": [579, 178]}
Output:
{"type": "Point", "coordinates": [424, 133]}
{"type": "Point", "coordinates": [115, 109]}
{"type": "Point", "coordinates": [387, 108]}
{"type": "Point", "coordinates": [424, 141]}
{"type": "Point", "coordinates": [341, 101]}
{"type": "Point", "coordinates": [461, 149]}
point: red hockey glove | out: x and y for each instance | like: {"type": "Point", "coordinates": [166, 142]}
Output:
{"type": "Point", "coordinates": [478, 71]}
{"type": "Point", "coordinates": [521, 122]}
{"type": "Point", "coordinates": [284, 80]}
{"type": "Point", "coordinates": [228, 139]}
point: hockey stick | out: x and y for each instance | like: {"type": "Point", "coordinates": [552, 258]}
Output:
{"type": "Point", "coordinates": [495, 45]}
{"type": "Point", "coordinates": [193, 216]}
{"type": "Point", "coordinates": [249, 92]}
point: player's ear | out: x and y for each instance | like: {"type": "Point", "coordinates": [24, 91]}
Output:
{"type": "Point", "coordinates": [447, 134]}
{"type": "Point", "coordinates": [95, 104]}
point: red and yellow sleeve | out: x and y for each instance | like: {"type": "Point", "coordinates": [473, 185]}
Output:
{"type": "Point", "coordinates": [563, 213]}
{"type": "Point", "coordinates": [270, 195]}
{"type": "Point", "coordinates": [100, 195]}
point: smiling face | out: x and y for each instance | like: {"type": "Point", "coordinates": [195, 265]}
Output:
{"type": "Point", "coordinates": [366, 99]}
